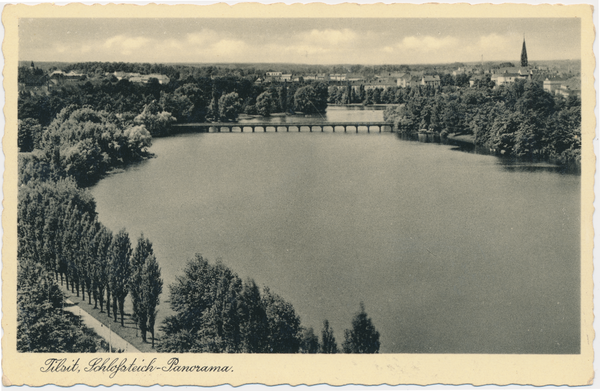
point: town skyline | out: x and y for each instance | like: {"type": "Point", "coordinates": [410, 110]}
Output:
{"type": "Point", "coordinates": [298, 41]}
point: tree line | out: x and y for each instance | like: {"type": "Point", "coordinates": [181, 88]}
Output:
{"type": "Point", "coordinates": [217, 312]}
{"type": "Point", "coordinates": [520, 119]}
{"type": "Point", "coordinates": [253, 71]}
{"type": "Point", "coordinates": [188, 100]}
{"type": "Point", "coordinates": [60, 240]}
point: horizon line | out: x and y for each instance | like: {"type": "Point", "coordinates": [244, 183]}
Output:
{"type": "Point", "coordinates": [290, 63]}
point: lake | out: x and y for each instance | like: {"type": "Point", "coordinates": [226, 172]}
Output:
{"type": "Point", "coordinates": [449, 251]}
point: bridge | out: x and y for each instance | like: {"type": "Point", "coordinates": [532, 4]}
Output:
{"type": "Point", "coordinates": [218, 127]}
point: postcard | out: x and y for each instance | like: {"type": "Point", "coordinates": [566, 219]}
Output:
{"type": "Point", "coordinates": [298, 194]}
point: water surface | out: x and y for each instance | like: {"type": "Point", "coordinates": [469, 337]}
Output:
{"type": "Point", "coordinates": [449, 251]}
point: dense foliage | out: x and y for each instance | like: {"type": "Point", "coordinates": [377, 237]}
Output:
{"type": "Point", "coordinates": [42, 325]}
{"type": "Point", "coordinates": [519, 120]}
{"type": "Point", "coordinates": [216, 312]}
{"type": "Point", "coordinates": [83, 144]}
{"type": "Point", "coordinates": [60, 239]}
{"type": "Point", "coordinates": [197, 97]}
{"type": "Point", "coordinates": [311, 98]}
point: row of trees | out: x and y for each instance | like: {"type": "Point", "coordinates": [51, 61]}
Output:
{"type": "Point", "coordinates": [58, 230]}
{"type": "Point", "coordinates": [216, 312]}
{"type": "Point", "coordinates": [517, 120]}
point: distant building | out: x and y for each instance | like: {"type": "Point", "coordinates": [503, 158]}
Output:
{"type": "Point", "coordinates": [125, 75]}
{"type": "Point", "coordinates": [74, 75]}
{"type": "Point", "coordinates": [337, 77]}
{"type": "Point", "coordinates": [519, 70]}
{"type": "Point", "coordinates": [476, 79]}
{"type": "Point", "coordinates": [58, 75]}
{"type": "Point", "coordinates": [316, 77]}
{"type": "Point", "coordinates": [553, 85]}
{"type": "Point", "coordinates": [571, 87]}
{"type": "Point", "coordinates": [323, 77]}
{"type": "Point", "coordinates": [389, 75]}
{"type": "Point", "coordinates": [564, 87]}
{"type": "Point", "coordinates": [507, 78]}
{"type": "Point", "coordinates": [144, 79]}
{"type": "Point", "coordinates": [433, 81]}
{"type": "Point", "coordinates": [354, 77]}
{"type": "Point", "coordinates": [274, 74]}
{"type": "Point", "coordinates": [407, 80]}
{"type": "Point", "coordinates": [384, 82]}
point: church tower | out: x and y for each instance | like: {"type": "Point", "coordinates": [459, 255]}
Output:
{"type": "Point", "coordinates": [524, 54]}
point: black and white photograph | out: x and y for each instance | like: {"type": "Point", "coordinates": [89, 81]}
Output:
{"type": "Point", "coordinates": [307, 185]}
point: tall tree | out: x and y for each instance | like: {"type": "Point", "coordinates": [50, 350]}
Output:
{"type": "Point", "coordinates": [253, 319]}
{"type": "Point", "coordinates": [29, 134]}
{"type": "Point", "coordinates": [142, 251]}
{"type": "Point", "coordinates": [362, 337]}
{"type": "Point", "coordinates": [100, 270]}
{"type": "Point", "coordinates": [120, 271]}
{"type": "Point", "coordinates": [151, 284]}
{"type": "Point", "coordinates": [284, 325]}
{"type": "Point", "coordinates": [89, 250]}
{"type": "Point", "coordinates": [310, 342]}
{"type": "Point", "coordinates": [283, 98]}
{"type": "Point", "coordinates": [328, 344]}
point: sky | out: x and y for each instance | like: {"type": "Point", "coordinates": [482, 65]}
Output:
{"type": "Point", "coordinates": [306, 41]}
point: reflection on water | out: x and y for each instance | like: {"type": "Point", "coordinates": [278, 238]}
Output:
{"type": "Point", "coordinates": [450, 252]}
{"type": "Point", "coordinates": [524, 165]}
{"type": "Point", "coordinates": [510, 163]}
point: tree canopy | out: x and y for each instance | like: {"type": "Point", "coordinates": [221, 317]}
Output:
{"type": "Point", "coordinates": [216, 312]}
{"type": "Point", "coordinates": [362, 337]}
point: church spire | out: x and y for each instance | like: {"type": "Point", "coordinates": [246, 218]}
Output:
{"type": "Point", "coordinates": [524, 54]}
